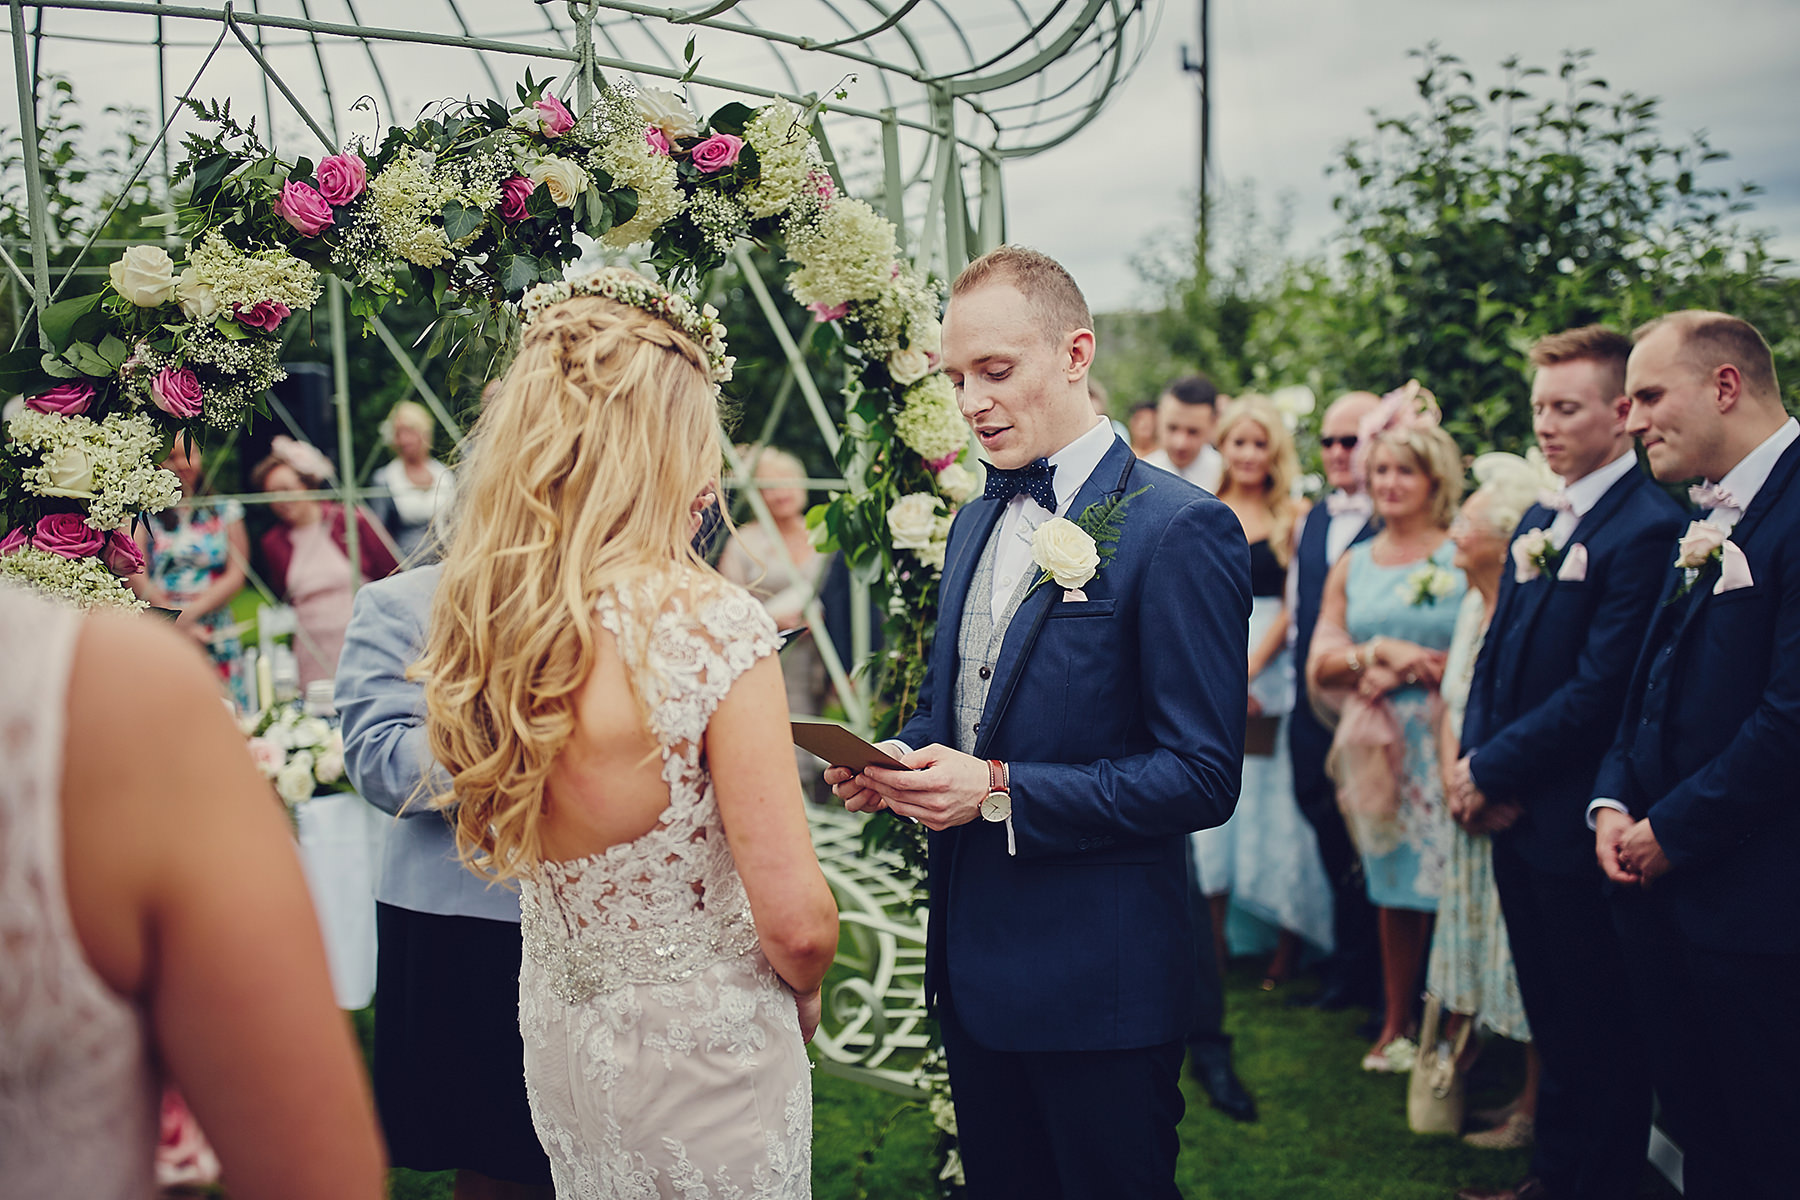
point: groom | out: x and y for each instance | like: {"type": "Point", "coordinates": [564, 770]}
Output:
{"type": "Point", "coordinates": [1071, 738]}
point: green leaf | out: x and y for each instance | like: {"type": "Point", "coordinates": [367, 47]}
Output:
{"type": "Point", "coordinates": [460, 222]}
{"type": "Point", "coordinates": [625, 205]}
{"type": "Point", "coordinates": [209, 171]}
{"type": "Point", "coordinates": [21, 372]}
{"type": "Point", "coordinates": [59, 319]}
{"type": "Point", "coordinates": [732, 118]}
{"type": "Point", "coordinates": [539, 203]}
{"type": "Point", "coordinates": [517, 272]}
{"type": "Point", "coordinates": [87, 360]}
{"type": "Point", "coordinates": [53, 365]}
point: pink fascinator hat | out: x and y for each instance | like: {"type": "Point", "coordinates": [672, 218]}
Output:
{"type": "Point", "coordinates": [1408, 407]}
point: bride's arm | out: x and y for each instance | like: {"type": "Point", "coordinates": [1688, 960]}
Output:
{"type": "Point", "coordinates": [750, 751]}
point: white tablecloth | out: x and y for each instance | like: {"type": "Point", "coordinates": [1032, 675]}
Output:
{"type": "Point", "coordinates": [340, 850]}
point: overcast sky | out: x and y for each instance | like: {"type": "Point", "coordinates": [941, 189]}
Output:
{"type": "Point", "coordinates": [1294, 79]}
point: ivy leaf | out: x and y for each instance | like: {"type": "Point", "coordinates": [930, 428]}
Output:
{"type": "Point", "coordinates": [625, 205]}
{"type": "Point", "coordinates": [209, 171]}
{"type": "Point", "coordinates": [87, 360]}
{"type": "Point", "coordinates": [460, 222]}
{"type": "Point", "coordinates": [518, 272]}
{"type": "Point", "coordinates": [539, 203]}
{"type": "Point", "coordinates": [599, 213]}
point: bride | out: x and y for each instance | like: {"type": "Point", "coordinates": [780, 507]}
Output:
{"type": "Point", "coordinates": [612, 717]}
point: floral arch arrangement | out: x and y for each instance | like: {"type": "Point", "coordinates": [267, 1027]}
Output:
{"type": "Point", "coordinates": [471, 208]}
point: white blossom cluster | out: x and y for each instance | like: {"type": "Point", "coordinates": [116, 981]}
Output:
{"type": "Point", "coordinates": [111, 464]}
{"type": "Point", "coordinates": [241, 370]}
{"type": "Point", "coordinates": [719, 218]}
{"type": "Point", "coordinates": [296, 753]}
{"type": "Point", "coordinates": [624, 155]}
{"type": "Point", "coordinates": [846, 253]}
{"type": "Point", "coordinates": [930, 423]}
{"type": "Point", "coordinates": [786, 155]}
{"type": "Point", "coordinates": [904, 316]}
{"type": "Point", "coordinates": [409, 193]}
{"type": "Point", "coordinates": [83, 582]}
{"type": "Point", "coordinates": [239, 278]}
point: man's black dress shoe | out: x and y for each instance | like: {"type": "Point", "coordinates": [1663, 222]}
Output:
{"type": "Point", "coordinates": [1221, 1085]}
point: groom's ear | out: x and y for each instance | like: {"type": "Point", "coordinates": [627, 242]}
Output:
{"type": "Point", "coordinates": [1078, 354]}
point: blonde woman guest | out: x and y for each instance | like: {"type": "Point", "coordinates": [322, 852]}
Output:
{"type": "Point", "coordinates": [155, 928]}
{"type": "Point", "coordinates": [419, 486]}
{"type": "Point", "coordinates": [1389, 611]}
{"type": "Point", "coordinates": [1265, 860]}
{"type": "Point", "coordinates": [1471, 967]}
{"type": "Point", "coordinates": [194, 563]}
{"type": "Point", "coordinates": [611, 716]}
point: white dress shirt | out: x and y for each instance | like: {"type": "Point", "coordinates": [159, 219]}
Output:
{"type": "Point", "coordinates": [1585, 492]}
{"type": "Point", "coordinates": [1743, 482]}
{"type": "Point", "coordinates": [1207, 469]}
{"type": "Point", "coordinates": [1073, 463]}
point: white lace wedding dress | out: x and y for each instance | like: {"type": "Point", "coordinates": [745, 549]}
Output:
{"type": "Point", "coordinates": [662, 1053]}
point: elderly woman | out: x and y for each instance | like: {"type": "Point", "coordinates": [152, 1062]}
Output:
{"type": "Point", "coordinates": [307, 556]}
{"type": "Point", "coordinates": [1389, 611]}
{"type": "Point", "coordinates": [419, 486]}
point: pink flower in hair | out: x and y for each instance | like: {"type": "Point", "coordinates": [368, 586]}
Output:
{"type": "Point", "coordinates": [1410, 406]}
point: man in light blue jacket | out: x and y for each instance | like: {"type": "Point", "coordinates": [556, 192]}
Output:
{"type": "Point", "coordinates": [448, 1071]}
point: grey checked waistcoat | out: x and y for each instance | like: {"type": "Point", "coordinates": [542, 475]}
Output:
{"type": "Point", "coordinates": [978, 640]}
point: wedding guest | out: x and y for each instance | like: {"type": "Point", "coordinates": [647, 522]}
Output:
{"type": "Point", "coordinates": [1470, 970]}
{"type": "Point", "coordinates": [194, 563]}
{"type": "Point", "coordinates": [1587, 563]}
{"type": "Point", "coordinates": [1352, 971]}
{"type": "Point", "coordinates": [448, 946]}
{"type": "Point", "coordinates": [1695, 815]}
{"type": "Point", "coordinates": [1058, 960]}
{"type": "Point", "coordinates": [1390, 609]}
{"type": "Point", "coordinates": [1265, 860]}
{"type": "Point", "coordinates": [156, 929]}
{"type": "Point", "coordinates": [1141, 426]}
{"type": "Point", "coordinates": [306, 555]}
{"type": "Point", "coordinates": [610, 714]}
{"type": "Point", "coordinates": [420, 488]}
{"type": "Point", "coordinates": [1185, 415]}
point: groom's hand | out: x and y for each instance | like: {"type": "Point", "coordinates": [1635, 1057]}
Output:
{"type": "Point", "coordinates": [943, 788]}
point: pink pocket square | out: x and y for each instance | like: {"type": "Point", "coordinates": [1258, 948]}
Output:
{"type": "Point", "coordinates": [1574, 564]}
{"type": "Point", "coordinates": [1074, 596]}
{"type": "Point", "coordinates": [1734, 570]}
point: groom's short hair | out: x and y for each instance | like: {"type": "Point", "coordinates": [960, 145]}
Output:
{"type": "Point", "coordinates": [1042, 280]}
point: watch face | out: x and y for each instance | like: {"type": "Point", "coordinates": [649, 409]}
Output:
{"type": "Point", "coordinates": [997, 806]}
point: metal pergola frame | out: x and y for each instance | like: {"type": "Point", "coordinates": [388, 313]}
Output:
{"type": "Point", "coordinates": [1034, 87]}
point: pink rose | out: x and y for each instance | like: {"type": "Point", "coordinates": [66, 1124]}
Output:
{"type": "Point", "coordinates": [301, 206]}
{"type": "Point", "coordinates": [938, 464]}
{"type": "Point", "coordinates": [717, 152]}
{"type": "Point", "coordinates": [342, 178]}
{"type": "Point", "coordinates": [268, 757]}
{"type": "Point", "coordinates": [69, 535]}
{"type": "Point", "coordinates": [122, 554]}
{"type": "Point", "coordinates": [555, 118]}
{"type": "Point", "coordinates": [177, 392]}
{"type": "Point", "coordinates": [514, 191]}
{"type": "Point", "coordinates": [657, 140]}
{"type": "Point", "coordinates": [18, 539]}
{"type": "Point", "coordinates": [265, 315]}
{"type": "Point", "coordinates": [829, 312]}
{"type": "Point", "coordinates": [65, 399]}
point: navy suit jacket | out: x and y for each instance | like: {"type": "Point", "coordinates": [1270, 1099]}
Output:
{"type": "Point", "coordinates": [1121, 720]}
{"type": "Point", "coordinates": [1551, 678]}
{"type": "Point", "coordinates": [1710, 737]}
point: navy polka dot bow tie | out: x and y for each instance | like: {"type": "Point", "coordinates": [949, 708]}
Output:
{"type": "Point", "coordinates": [1034, 480]}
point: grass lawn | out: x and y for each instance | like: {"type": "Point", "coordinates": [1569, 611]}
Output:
{"type": "Point", "coordinates": [1326, 1129]}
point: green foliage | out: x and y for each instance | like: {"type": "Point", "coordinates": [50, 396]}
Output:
{"type": "Point", "coordinates": [1492, 215]}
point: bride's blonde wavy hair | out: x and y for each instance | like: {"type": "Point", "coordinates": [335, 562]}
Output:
{"type": "Point", "coordinates": [586, 464]}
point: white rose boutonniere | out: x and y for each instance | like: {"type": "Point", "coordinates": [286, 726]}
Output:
{"type": "Point", "coordinates": [1533, 555]}
{"type": "Point", "coordinates": [1427, 585]}
{"type": "Point", "coordinates": [1072, 552]}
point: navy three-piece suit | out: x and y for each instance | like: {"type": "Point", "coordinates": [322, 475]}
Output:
{"type": "Point", "coordinates": [1063, 976]}
{"type": "Point", "coordinates": [1544, 702]}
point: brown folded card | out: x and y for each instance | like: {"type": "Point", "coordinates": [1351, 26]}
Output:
{"type": "Point", "coordinates": [839, 747]}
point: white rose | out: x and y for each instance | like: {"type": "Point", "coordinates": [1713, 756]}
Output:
{"type": "Point", "coordinates": [294, 782]}
{"type": "Point", "coordinates": [912, 520]}
{"type": "Point", "coordinates": [280, 736]}
{"type": "Point", "coordinates": [71, 473]}
{"type": "Point", "coordinates": [565, 180]}
{"type": "Point", "coordinates": [267, 756]}
{"type": "Point", "coordinates": [527, 120]}
{"type": "Point", "coordinates": [1701, 541]}
{"type": "Point", "coordinates": [1065, 551]}
{"type": "Point", "coordinates": [144, 275]}
{"type": "Point", "coordinates": [667, 111]}
{"type": "Point", "coordinates": [198, 302]}
{"type": "Point", "coordinates": [958, 482]}
{"type": "Point", "coordinates": [908, 366]}
{"type": "Point", "coordinates": [933, 553]}
{"type": "Point", "coordinates": [311, 731]}
{"type": "Point", "coordinates": [330, 766]}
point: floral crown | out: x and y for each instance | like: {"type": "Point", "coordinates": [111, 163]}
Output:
{"type": "Point", "coordinates": [1405, 409]}
{"type": "Point", "coordinates": [628, 287]}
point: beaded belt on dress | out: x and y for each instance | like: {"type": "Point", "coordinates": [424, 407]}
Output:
{"type": "Point", "coordinates": [600, 958]}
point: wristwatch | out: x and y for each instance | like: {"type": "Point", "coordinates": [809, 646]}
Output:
{"type": "Point", "coordinates": [997, 806]}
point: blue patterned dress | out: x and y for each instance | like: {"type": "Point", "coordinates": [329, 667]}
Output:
{"type": "Point", "coordinates": [1404, 856]}
{"type": "Point", "coordinates": [184, 561]}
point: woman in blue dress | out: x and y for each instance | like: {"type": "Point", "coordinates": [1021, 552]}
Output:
{"type": "Point", "coordinates": [1265, 860]}
{"type": "Point", "coordinates": [1389, 613]}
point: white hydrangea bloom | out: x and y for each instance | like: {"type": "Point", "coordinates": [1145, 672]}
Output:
{"type": "Point", "coordinates": [847, 252]}
{"type": "Point", "coordinates": [930, 424]}
{"type": "Point", "coordinates": [238, 278]}
{"type": "Point", "coordinates": [84, 582]}
{"type": "Point", "coordinates": [785, 154]}
{"type": "Point", "coordinates": [121, 455]}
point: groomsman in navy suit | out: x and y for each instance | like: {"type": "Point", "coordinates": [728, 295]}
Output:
{"type": "Point", "coordinates": [1069, 735]}
{"type": "Point", "coordinates": [1588, 562]}
{"type": "Point", "coordinates": [1697, 815]}
{"type": "Point", "coordinates": [1353, 972]}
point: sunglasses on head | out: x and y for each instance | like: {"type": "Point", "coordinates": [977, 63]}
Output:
{"type": "Point", "coordinates": [1348, 442]}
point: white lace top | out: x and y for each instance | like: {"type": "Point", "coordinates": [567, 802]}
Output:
{"type": "Point", "coordinates": [78, 1102]}
{"type": "Point", "coordinates": [662, 1053]}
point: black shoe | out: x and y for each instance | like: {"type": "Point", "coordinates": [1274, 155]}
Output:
{"type": "Point", "coordinates": [1222, 1087]}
